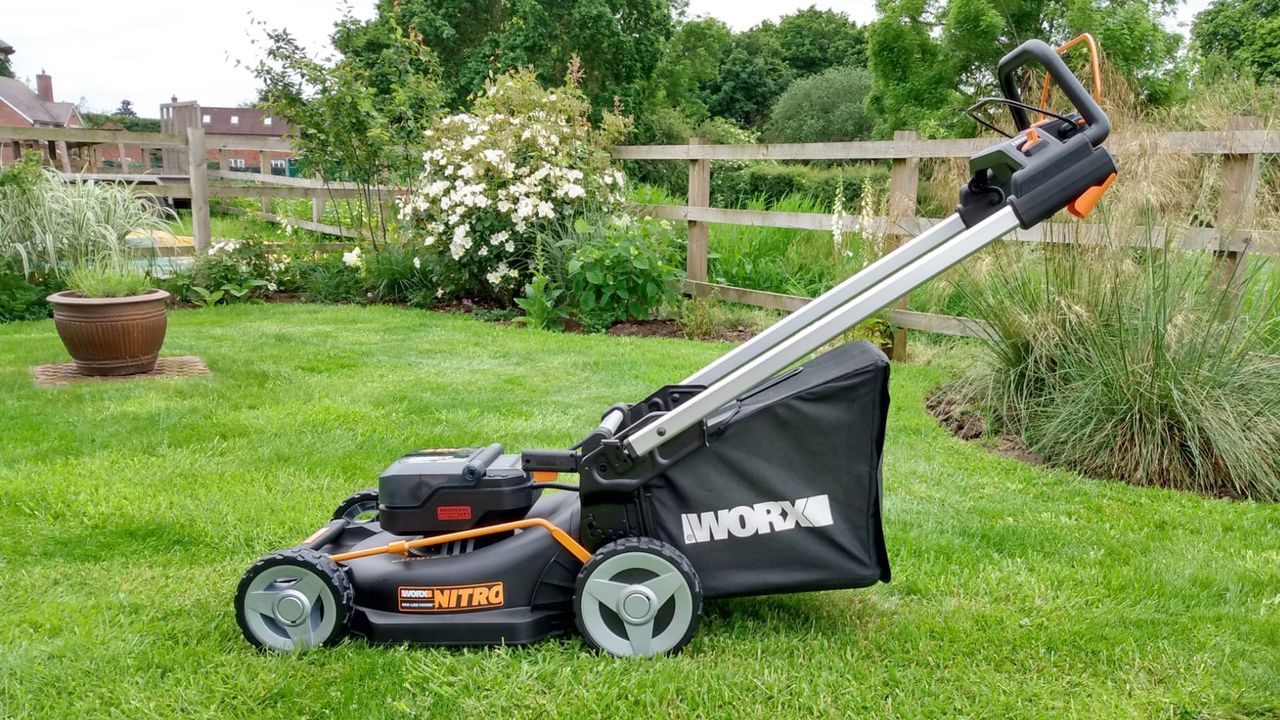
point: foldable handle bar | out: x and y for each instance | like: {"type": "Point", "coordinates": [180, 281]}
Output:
{"type": "Point", "coordinates": [1097, 124]}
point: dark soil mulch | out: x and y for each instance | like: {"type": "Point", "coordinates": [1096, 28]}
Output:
{"type": "Point", "coordinates": [671, 329]}
{"type": "Point", "coordinates": [955, 413]}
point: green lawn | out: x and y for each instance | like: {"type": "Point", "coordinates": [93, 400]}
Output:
{"type": "Point", "coordinates": [129, 511]}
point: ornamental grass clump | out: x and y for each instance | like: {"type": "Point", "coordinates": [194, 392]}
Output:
{"type": "Point", "coordinates": [524, 158]}
{"type": "Point", "coordinates": [49, 225]}
{"type": "Point", "coordinates": [1135, 363]}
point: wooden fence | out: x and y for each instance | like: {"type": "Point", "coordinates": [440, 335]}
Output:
{"type": "Point", "coordinates": [1241, 145]}
{"type": "Point", "coordinates": [184, 174]}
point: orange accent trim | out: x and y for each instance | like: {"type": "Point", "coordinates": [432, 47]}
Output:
{"type": "Point", "coordinates": [402, 547]}
{"type": "Point", "coordinates": [540, 476]}
{"type": "Point", "coordinates": [1033, 137]}
{"type": "Point", "coordinates": [1093, 61]}
{"type": "Point", "coordinates": [1088, 200]}
{"type": "Point", "coordinates": [312, 537]}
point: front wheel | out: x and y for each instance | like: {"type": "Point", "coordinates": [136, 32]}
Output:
{"type": "Point", "coordinates": [360, 507]}
{"type": "Point", "coordinates": [637, 596]}
{"type": "Point", "coordinates": [293, 600]}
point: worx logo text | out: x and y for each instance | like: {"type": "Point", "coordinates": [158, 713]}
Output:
{"type": "Point", "coordinates": [758, 519]}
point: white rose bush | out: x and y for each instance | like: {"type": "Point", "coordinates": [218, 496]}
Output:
{"type": "Point", "coordinates": [495, 178]}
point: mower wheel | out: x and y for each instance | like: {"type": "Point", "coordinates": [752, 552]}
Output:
{"type": "Point", "coordinates": [293, 600]}
{"type": "Point", "coordinates": [637, 596]}
{"type": "Point", "coordinates": [362, 506]}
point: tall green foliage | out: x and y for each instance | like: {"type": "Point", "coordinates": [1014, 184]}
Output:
{"type": "Point", "coordinates": [751, 77]}
{"type": "Point", "coordinates": [691, 64]}
{"type": "Point", "coordinates": [358, 116]}
{"type": "Point", "coordinates": [1135, 365]}
{"type": "Point", "coordinates": [619, 41]}
{"type": "Point", "coordinates": [814, 40]}
{"type": "Point", "coordinates": [923, 52]}
{"type": "Point", "coordinates": [1246, 33]}
{"type": "Point", "coordinates": [826, 107]}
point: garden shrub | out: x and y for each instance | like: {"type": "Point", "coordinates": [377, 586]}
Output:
{"type": "Point", "coordinates": [332, 278]}
{"type": "Point", "coordinates": [1136, 365]}
{"type": "Point", "coordinates": [398, 275]}
{"type": "Point", "coordinates": [48, 225]}
{"type": "Point", "coordinates": [232, 270]}
{"type": "Point", "coordinates": [828, 107]}
{"type": "Point", "coordinates": [22, 297]}
{"type": "Point", "coordinates": [621, 268]}
{"type": "Point", "coordinates": [494, 177]}
{"type": "Point", "coordinates": [771, 182]}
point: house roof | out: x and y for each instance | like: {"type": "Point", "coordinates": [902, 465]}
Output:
{"type": "Point", "coordinates": [249, 121]}
{"type": "Point", "coordinates": [18, 96]}
{"type": "Point", "coordinates": [62, 111]}
{"type": "Point", "coordinates": [5, 48]}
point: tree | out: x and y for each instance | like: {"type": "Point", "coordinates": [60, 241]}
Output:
{"type": "Point", "coordinates": [6, 67]}
{"type": "Point", "coordinates": [929, 56]}
{"type": "Point", "coordinates": [691, 64]}
{"type": "Point", "coordinates": [751, 77]}
{"type": "Point", "coordinates": [358, 117]}
{"type": "Point", "coordinates": [830, 106]}
{"type": "Point", "coordinates": [814, 40]}
{"type": "Point", "coordinates": [619, 42]}
{"type": "Point", "coordinates": [125, 109]}
{"type": "Point", "coordinates": [1245, 33]}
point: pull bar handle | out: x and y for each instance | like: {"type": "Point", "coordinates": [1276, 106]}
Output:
{"type": "Point", "coordinates": [1097, 125]}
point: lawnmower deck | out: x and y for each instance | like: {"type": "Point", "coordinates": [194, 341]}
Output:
{"type": "Point", "coordinates": [510, 589]}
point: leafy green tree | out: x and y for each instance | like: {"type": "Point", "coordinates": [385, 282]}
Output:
{"type": "Point", "coordinates": [830, 106]}
{"type": "Point", "coordinates": [126, 109]}
{"type": "Point", "coordinates": [928, 55]}
{"type": "Point", "coordinates": [1246, 33]}
{"type": "Point", "coordinates": [132, 124]}
{"type": "Point", "coordinates": [814, 40]}
{"type": "Point", "coordinates": [6, 68]}
{"type": "Point", "coordinates": [619, 42]}
{"type": "Point", "coordinates": [691, 64]}
{"type": "Point", "coordinates": [358, 117]}
{"type": "Point", "coordinates": [751, 77]}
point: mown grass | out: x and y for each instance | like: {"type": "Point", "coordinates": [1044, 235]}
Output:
{"type": "Point", "coordinates": [131, 509]}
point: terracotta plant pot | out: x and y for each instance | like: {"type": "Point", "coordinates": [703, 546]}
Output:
{"type": "Point", "coordinates": [111, 336]}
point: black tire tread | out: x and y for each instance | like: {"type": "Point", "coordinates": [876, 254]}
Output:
{"type": "Point", "coordinates": [334, 574]}
{"type": "Point", "coordinates": [354, 498]}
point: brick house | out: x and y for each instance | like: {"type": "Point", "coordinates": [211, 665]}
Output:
{"type": "Point", "coordinates": [240, 121]}
{"type": "Point", "coordinates": [20, 106]}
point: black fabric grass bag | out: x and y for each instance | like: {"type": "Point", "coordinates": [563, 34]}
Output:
{"type": "Point", "coordinates": [786, 495]}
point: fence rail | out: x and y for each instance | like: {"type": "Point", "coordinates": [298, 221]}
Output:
{"type": "Point", "coordinates": [186, 175]}
{"type": "Point", "coordinates": [1241, 144]}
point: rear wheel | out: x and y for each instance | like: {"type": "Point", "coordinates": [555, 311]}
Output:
{"type": "Point", "coordinates": [293, 600]}
{"type": "Point", "coordinates": [637, 596]}
{"type": "Point", "coordinates": [362, 506]}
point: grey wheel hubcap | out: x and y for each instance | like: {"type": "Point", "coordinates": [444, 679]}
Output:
{"type": "Point", "coordinates": [290, 608]}
{"type": "Point", "coordinates": [362, 512]}
{"type": "Point", "coordinates": [636, 603]}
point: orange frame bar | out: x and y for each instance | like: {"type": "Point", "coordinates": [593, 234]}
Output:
{"type": "Point", "coordinates": [403, 548]}
{"type": "Point", "coordinates": [1093, 60]}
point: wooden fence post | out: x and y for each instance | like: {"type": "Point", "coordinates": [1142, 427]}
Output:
{"type": "Point", "coordinates": [700, 197]}
{"type": "Point", "coordinates": [1236, 208]}
{"type": "Point", "coordinates": [198, 169]}
{"type": "Point", "coordinates": [222, 160]}
{"type": "Point", "coordinates": [264, 167]}
{"type": "Point", "coordinates": [904, 185]}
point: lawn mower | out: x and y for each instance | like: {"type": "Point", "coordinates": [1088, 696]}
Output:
{"type": "Point", "coordinates": [755, 475]}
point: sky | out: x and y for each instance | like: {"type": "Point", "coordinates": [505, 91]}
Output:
{"type": "Point", "coordinates": [149, 50]}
